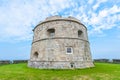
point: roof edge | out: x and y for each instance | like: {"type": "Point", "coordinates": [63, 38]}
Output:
{"type": "Point", "coordinates": [61, 19]}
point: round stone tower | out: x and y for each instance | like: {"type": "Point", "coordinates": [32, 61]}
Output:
{"type": "Point", "coordinates": [60, 43]}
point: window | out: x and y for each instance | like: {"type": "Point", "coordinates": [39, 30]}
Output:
{"type": "Point", "coordinates": [80, 33]}
{"type": "Point", "coordinates": [51, 32]}
{"type": "Point", "coordinates": [35, 55]}
{"type": "Point", "coordinates": [69, 50]}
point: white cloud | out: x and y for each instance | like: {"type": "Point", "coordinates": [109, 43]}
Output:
{"type": "Point", "coordinates": [103, 13]}
{"type": "Point", "coordinates": [90, 1]}
{"type": "Point", "coordinates": [18, 18]}
{"type": "Point", "coordinates": [98, 4]}
{"type": "Point", "coordinates": [105, 19]}
{"type": "Point", "coordinates": [114, 9]}
{"type": "Point", "coordinates": [15, 22]}
{"type": "Point", "coordinates": [58, 4]}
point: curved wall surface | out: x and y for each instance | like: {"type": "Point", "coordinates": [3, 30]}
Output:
{"type": "Point", "coordinates": [60, 43]}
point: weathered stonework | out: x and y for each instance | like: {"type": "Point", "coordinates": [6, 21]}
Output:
{"type": "Point", "coordinates": [60, 43]}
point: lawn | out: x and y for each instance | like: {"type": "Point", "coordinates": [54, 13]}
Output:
{"type": "Point", "coordinates": [101, 71]}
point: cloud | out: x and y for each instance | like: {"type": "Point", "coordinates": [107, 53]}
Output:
{"type": "Point", "coordinates": [105, 19]}
{"type": "Point", "coordinates": [90, 1]}
{"type": "Point", "coordinates": [16, 21]}
{"type": "Point", "coordinates": [98, 4]}
{"type": "Point", "coordinates": [18, 18]}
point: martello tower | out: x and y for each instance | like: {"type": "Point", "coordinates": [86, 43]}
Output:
{"type": "Point", "coordinates": [60, 43]}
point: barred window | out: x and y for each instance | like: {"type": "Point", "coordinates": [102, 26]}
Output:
{"type": "Point", "coordinates": [69, 50]}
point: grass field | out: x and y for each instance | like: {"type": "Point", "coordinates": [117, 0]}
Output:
{"type": "Point", "coordinates": [101, 71]}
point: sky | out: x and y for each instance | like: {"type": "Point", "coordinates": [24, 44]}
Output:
{"type": "Point", "coordinates": [19, 17]}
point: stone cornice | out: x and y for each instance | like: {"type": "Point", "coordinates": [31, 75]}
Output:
{"type": "Point", "coordinates": [60, 38]}
{"type": "Point", "coordinates": [61, 19]}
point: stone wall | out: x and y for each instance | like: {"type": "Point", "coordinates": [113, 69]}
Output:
{"type": "Point", "coordinates": [101, 60]}
{"type": "Point", "coordinates": [50, 52]}
{"type": "Point", "coordinates": [116, 60]}
{"type": "Point", "coordinates": [5, 62]}
{"type": "Point", "coordinates": [19, 61]}
{"type": "Point", "coordinates": [62, 29]}
{"type": "Point", "coordinates": [59, 64]}
{"type": "Point", "coordinates": [56, 49]}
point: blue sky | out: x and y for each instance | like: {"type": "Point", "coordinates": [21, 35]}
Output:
{"type": "Point", "coordinates": [19, 17]}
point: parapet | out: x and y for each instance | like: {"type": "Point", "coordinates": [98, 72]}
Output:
{"type": "Point", "coordinates": [56, 17]}
{"type": "Point", "coordinates": [60, 18]}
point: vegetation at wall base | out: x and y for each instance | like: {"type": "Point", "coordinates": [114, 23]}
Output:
{"type": "Point", "coordinates": [101, 71]}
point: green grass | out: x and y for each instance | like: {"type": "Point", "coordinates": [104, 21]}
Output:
{"type": "Point", "coordinates": [101, 71]}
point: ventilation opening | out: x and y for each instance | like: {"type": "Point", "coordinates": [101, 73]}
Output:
{"type": "Point", "coordinates": [72, 65]}
{"type": "Point", "coordinates": [35, 55]}
{"type": "Point", "coordinates": [51, 32]}
{"type": "Point", "coordinates": [80, 33]}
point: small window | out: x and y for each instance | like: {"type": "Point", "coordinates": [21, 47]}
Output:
{"type": "Point", "coordinates": [35, 55]}
{"type": "Point", "coordinates": [80, 33]}
{"type": "Point", "coordinates": [51, 32]}
{"type": "Point", "coordinates": [69, 50]}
